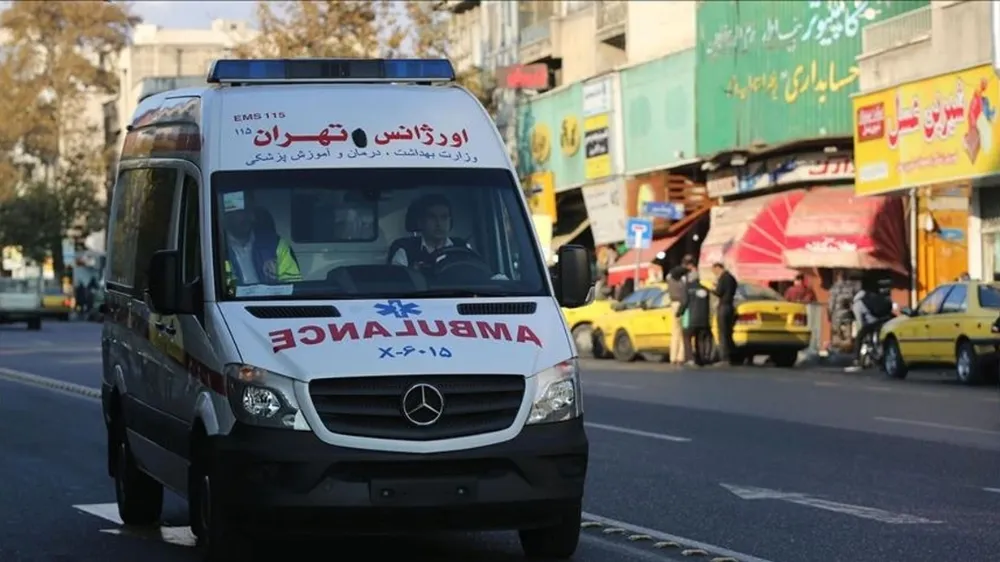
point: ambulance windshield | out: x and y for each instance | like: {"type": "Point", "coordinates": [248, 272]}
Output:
{"type": "Point", "coordinates": [373, 233]}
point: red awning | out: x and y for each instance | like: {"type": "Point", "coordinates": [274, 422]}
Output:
{"type": "Point", "coordinates": [624, 266]}
{"type": "Point", "coordinates": [748, 236]}
{"type": "Point", "coordinates": [832, 228]}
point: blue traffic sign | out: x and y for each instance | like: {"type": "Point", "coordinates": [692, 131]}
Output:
{"type": "Point", "coordinates": [638, 233]}
{"type": "Point", "coordinates": [664, 210]}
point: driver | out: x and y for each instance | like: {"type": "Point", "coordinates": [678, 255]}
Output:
{"type": "Point", "coordinates": [434, 221]}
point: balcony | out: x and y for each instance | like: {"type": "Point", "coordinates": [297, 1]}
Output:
{"type": "Point", "coordinates": [457, 6]}
{"type": "Point", "coordinates": [899, 31]}
{"type": "Point", "coordinates": [535, 42]}
{"type": "Point", "coordinates": [611, 20]}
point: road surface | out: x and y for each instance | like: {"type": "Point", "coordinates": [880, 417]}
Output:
{"type": "Point", "coordinates": [748, 464]}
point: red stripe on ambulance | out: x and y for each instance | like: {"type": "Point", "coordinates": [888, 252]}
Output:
{"type": "Point", "coordinates": [289, 338]}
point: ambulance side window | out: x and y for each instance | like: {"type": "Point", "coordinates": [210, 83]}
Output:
{"type": "Point", "coordinates": [122, 242]}
{"type": "Point", "coordinates": [190, 233]}
{"type": "Point", "coordinates": [154, 205]}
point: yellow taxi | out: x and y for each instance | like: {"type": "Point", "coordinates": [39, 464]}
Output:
{"type": "Point", "coordinates": [604, 327]}
{"type": "Point", "coordinates": [581, 322]}
{"type": "Point", "coordinates": [956, 325]}
{"type": "Point", "coordinates": [766, 324]}
{"type": "Point", "coordinates": [56, 303]}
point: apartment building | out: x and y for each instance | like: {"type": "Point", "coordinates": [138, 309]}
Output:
{"type": "Point", "coordinates": [158, 54]}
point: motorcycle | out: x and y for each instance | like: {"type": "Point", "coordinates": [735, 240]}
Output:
{"type": "Point", "coordinates": [870, 350]}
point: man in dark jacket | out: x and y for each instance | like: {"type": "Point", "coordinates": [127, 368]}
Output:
{"type": "Point", "coordinates": [677, 289]}
{"type": "Point", "coordinates": [725, 289]}
{"type": "Point", "coordinates": [698, 332]}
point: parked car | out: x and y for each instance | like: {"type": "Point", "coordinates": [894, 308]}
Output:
{"type": "Point", "coordinates": [20, 301]}
{"type": "Point", "coordinates": [766, 324]}
{"type": "Point", "coordinates": [57, 304]}
{"type": "Point", "coordinates": [605, 326]}
{"type": "Point", "coordinates": [957, 325]}
{"type": "Point", "coordinates": [581, 322]}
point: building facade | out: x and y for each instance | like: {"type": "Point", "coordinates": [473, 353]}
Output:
{"type": "Point", "coordinates": [934, 61]}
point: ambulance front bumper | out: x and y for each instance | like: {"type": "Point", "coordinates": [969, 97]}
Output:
{"type": "Point", "coordinates": [291, 482]}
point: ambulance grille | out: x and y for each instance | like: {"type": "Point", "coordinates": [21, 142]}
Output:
{"type": "Point", "coordinates": [496, 308]}
{"type": "Point", "coordinates": [372, 406]}
{"type": "Point", "coordinates": [322, 311]}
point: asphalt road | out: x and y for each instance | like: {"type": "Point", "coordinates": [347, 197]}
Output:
{"type": "Point", "coordinates": [753, 464]}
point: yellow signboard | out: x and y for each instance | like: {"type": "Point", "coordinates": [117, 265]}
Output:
{"type": "Point", "coordinates": [936, 130]}
{"type": "Point", "coordinates": [597, 160]}
{"type": "Point", "coordinates": [541, 143]}
{"type": "Point", "coordinates": [541, 189]}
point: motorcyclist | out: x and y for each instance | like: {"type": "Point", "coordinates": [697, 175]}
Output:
{"type": "Point", "coordinates": [872, 306]}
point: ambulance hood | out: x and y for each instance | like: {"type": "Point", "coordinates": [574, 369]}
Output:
{"type": "Point", "coordinates": [400, 337]}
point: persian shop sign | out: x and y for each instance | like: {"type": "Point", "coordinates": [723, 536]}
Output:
{"type": "Point", "coordinates": [784, 170]}
{"type": "Point", "coordinates": [935, 130]}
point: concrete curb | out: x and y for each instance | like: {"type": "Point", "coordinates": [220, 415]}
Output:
{"type": "Point", "coordinates": [46, 382]}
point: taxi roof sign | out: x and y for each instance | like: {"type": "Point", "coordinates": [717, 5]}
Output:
{"type": "Point", "coordinates": [262, 71]}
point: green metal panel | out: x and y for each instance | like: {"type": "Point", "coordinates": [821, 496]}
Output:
{"type": "Point", "coordinates": [550, 110]}
{"type": "Point", "coordinates": [774, 71]}
{"type": "Point", "coordinates": [658, 112]}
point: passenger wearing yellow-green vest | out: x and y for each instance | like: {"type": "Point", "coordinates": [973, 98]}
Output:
{"type": "Point", "coordinates": [255, 254]}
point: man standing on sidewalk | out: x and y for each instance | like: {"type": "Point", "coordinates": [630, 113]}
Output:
{"type": "Point", "coordinates": [725, 289]}
{"type": "Point", "coordinates": [697, 309]}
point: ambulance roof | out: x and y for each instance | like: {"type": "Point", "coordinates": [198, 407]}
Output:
{"type": "Point", "coordinates": [273, 122]}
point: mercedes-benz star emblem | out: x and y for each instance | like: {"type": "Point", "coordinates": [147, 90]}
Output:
{"type": "Point", "coordinates": [423, 404]}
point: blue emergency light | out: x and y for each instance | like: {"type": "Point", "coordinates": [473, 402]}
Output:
{"type": "Point", "coordinates": [330, 70]}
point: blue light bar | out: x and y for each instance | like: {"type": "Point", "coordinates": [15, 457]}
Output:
{"type": "Point", "coordinates": [330, 70]}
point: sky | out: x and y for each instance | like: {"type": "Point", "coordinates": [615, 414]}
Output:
{"type": "Point", "coordinates": [191, 14]}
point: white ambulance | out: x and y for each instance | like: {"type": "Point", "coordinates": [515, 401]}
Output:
{"type": "Point", "coordinates": [327, 312]}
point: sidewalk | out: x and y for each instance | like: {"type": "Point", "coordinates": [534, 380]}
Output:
{"type": "Point", "coordinates": [809, 359]}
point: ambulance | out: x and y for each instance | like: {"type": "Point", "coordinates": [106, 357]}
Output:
{"type": "Point", "coordinates": [327, 313]}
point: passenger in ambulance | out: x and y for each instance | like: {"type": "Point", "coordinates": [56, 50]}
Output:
{"type": "Point", "coordinates": [255, 254]}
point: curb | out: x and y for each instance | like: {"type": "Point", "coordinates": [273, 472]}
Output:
{"type": "Point", "coordinates": [46, 382]}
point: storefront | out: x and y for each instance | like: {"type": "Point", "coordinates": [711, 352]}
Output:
{"type": "Point", "coordinates": [988, 203]}
{"type": "Point", "coordinates": [938, 163]}
{"type": "Point", "coordinates": [747, 236]}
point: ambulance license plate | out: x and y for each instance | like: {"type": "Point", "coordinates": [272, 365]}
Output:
{"type": "Point", "coordinates": [422, 492]}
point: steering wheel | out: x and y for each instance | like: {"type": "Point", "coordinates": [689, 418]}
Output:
{"type": "Point", "coordinates": [455, 257]}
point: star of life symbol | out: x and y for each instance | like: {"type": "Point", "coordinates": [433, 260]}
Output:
{"type": "Point", "coordinates": [423, 404]}
{"type": "Point", "coordinates": [398, 309]}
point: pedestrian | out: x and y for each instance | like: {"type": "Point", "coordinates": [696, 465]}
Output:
{"type": "Point", "coordinates": [839, 307]}
{"type": "Point", "coordinates": [725, 289]}
{"type": "Point", "coordinates": [698, 313]}
{"type": "Point", "coordinates": [677, 290]}
{"type": "Point", "coordinates": [800, 291]}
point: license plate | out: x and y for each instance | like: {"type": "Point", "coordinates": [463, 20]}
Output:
{"type": "Point", "coordinates": [419, 492]}
{"type": "Point", "coordinates": [767, 317]}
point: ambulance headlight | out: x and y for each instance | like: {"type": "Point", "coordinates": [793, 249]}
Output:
{"type": "Point", "coordinates": [262, 398]}
{"type": "Point", "coordinates": [557, 397]}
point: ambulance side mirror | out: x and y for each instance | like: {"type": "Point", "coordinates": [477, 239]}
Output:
{"type": "Point", "coordinates": [166, 290]}
{"type": "Point", "coordinates": [573, 276]}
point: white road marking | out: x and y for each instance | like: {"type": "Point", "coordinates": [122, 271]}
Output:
{"type": "Point", "coordinates": [82, 361]}
{"type": "Point", "coordinates": [938, 425]}
{"type": "Point", "coordinates": [611, 385]}
{"type": "Point", "coordinates": [751, 493]}
{"type": "Point", "coordinates": [181, 536]}
{"type": "Point", "coordinates": [629, 431]}
{"type": "Point", "coordinates": [667, 537]}
{"type": "Point", "coordinates": [994, 490]}
{"type": "Point", "coordinates": [825, 383]}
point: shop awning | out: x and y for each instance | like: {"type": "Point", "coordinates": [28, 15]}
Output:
{"type": "Point", "coordinates": [748, 236]}
{"type": "Point", "coordinates": [832, 228]}
{"type": "Point", "coordinates": [624, 266]}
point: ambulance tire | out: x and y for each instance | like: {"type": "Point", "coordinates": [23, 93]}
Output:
{"type": "Point", "coordinates": [218, 540]}
{"type": "Point", "coordinates": [557, 542]}
{"type": "Point", "coordinates": [139, 496]}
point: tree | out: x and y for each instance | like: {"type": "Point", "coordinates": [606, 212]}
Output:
{"type": "Point", "coordinates": [52, 162]}
{"type": "Point", "coordinates": [347, 28]}
{"type": "Point", "coordinates": [326, 28]}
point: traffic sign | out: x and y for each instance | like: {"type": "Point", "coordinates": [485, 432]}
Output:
{"type": "Point", "coordinates": [638, 233]}
{"type": "Point", "coordinates": [664, 210]}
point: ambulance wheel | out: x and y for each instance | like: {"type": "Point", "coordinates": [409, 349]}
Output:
{"type": "Point", "coordinates": [35, 324]}
{"type": "Point", "coordinates": [217, 538]}
{"type": "Point", "coordinates": [139, 497]}
{"type": "Point", "coordinates": [557, 542]}
{"type": "Point", "coordinates": [624, 350]}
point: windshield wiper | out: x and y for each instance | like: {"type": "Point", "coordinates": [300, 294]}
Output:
{"type": "Point", "coordinates": [452, 293]}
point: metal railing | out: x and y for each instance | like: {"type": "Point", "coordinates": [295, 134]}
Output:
{"type": "Point", "coordinates": [896, 31]}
